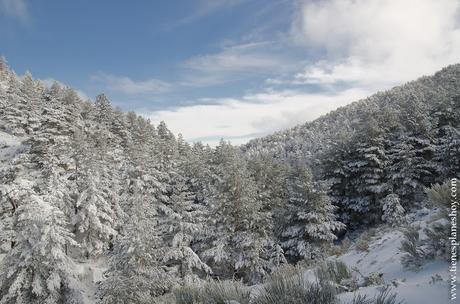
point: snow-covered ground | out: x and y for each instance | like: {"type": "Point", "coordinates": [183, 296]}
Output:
{"type": "Point", "coordinates": [89, 274]}
{"type": "Point", "coordinates": [429, 285]}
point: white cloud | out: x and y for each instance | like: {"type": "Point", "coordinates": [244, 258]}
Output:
{"type": "Point", "coordinates": [128, 86]}
{"type": "Point", "coordinates": [355, 47]}
{"type": "Point", "coordinates": [15, 8]}
{"type": "Point", "coordinates": [378, 43]}
{"type": "Point", "coordinates": [250, 116]}
{"type": "Point", "coordinates": [362, 45]}
{"type": "Point", "coordinates": [234, 58]}
{"type": "Point", "coordinates": [235, 62]}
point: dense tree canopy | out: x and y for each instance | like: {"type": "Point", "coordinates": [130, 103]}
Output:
{"type": "Point", "coordinates": [82, 180]}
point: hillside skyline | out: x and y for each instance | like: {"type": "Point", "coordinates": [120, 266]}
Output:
{"type": "Point", "coordinates": [101, 206]}
{"type": "Point", "coordinates": [233, 69]}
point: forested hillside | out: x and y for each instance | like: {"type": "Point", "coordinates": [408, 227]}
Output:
{"type": "Point", "coordinates": [82, 180]}
{"type": "Point", "coordinates": [392, 144]}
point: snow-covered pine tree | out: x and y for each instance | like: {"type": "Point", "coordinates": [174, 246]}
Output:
{"type": "Point", "coordinates": [309, 217]}
{"type": "Point", "coordinates": [13, 192]}
{"type": "Point", "coordinates": [270, 175]}
{"type": "Point", "coordinates": [94, 216]}
{"type": "Point", "coordinates": [412, 166]}
{"type": "Point", "coordinates": [135, 274]}
{"type": "Point", "coordinates": [367, 183]}
{"type": "Point", "coordinates": [103, 111]}
{"type": "Point", "coordinates": [31, 92]}
{"type": "Point", "coordinates": [4, 69]}
{"type": "Point", "coordinates": [355, 167]}
{"type": "Point", "coordinates": [195, 165]}
{"type": "Point", "coordinates": [94, 219]}
{"type": "Point", "coordinates": [393, 212]}
{"type": "Point", "coordinates": [167, 144]}
{"type": "Point", "coordinates": [412, 150]}
{"type": "Point", "coordinates": [50, 144]}
{"type": "Point", "coordinates": [243, 230]}
{"type": "Point", "coordinates": [448, 137]}
{"type": "Point", "coordinates": [37, 269]}
{"type": "Point", "coordinates": [182, 226]}
{"type": "Point", "coordinates": [98, 167]}
{"type": "Point", "coordinates": [14, 118]}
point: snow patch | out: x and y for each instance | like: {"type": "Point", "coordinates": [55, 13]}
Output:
{"type": "Point", "coordinates": [426, 286]}
{"type": "Point", "coordinates": [10, 146]}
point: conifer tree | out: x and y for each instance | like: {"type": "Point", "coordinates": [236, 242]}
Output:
{"type": "Point", "coordinates": [135, 274]}
{"type": "Point", "coordinates": [309, 217]}
{"type": "Point", "coordinates": [243, 229]}
{"type": "Point", "coordinates": [185, 222]}
{"type": "Point", "coordinates": [393, 212]}
{"type": "Point", "coordinates": [37, 269]}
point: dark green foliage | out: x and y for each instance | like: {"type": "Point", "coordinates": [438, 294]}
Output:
{"type": "Point", "coordinates": [187, 294]}
{"type": "Point", "coordinates": [398, 141]}
{"type": "Point", "coordinates": [296, 290]}
{"type": "Point", "coordinates": [412, 247]}
{"type": "Point", "coordinates": [332, 271]}
{"type": "Point", "coordinates": [158, 205]}
{"type": "Point", "coordinates": [309, 219]}
{"type": "Point", "coordinates": [436, 242]}
{"type": "Point", "coordinates": [384, 297]}
{"type": "Point", "coordinates": [440, 196]}
{"type": "Point", "coordinates": [213, 292]}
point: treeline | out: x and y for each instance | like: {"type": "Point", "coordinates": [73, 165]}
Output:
{"type": "Point", "coordinates": [91, 181]}
{"type": "Point", "coordinates": [379, 154]}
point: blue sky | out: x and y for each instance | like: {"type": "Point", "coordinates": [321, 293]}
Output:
{"type": "Point", "coordinates": [235, 69]}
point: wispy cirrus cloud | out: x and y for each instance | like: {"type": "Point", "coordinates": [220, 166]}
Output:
{"type": "Point", "coordinates": [237, 58]}
{"type": "Point", "coordinates": [16, 9]}
{"type": "Point", "coordinates": [236, 62]}
{"type": "Point", "coordinates": [203, 9]}
{"type": "Point", "coordinates": [126, 85]}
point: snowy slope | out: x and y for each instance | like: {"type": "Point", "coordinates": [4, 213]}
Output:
{"type": "Point", "coordinates": [384, 257]}
{"type": "Point", "coordinates": [90, 274]}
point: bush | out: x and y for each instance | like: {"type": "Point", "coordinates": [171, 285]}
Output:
{"type": "Point", "coordinates": [220, 292]}
{"type": "Point", "coordinates": [384, 297]}
{"type": "Point", "coordinates": [333, 271]}
{"type": "Point", "coordinates": [435, 242]}
{"type": "Point", "coordinates": [361, 299]}
{"type": "Point", "coordinates": [362, 244]}
{"type": "Point", "coordinates": [295, 290]}
{"type": "Point", "coordinates": [412, 246]}
{"type": "Point", "coordinates": [287, 270]}
{"type": "Point", "coordinates": [166, 299]}
{"type": "Point", "coordinates": [340, 249]}
{"type": "Point", "coordinates": [439, 195]}
{"type": "Point", "coordinates": [213, 292]}
{"type": "Point", "coordinates": [187, 295]}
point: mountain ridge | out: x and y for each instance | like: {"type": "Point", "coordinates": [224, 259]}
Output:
{"type": "Point", "coordinates": [300, 130]}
